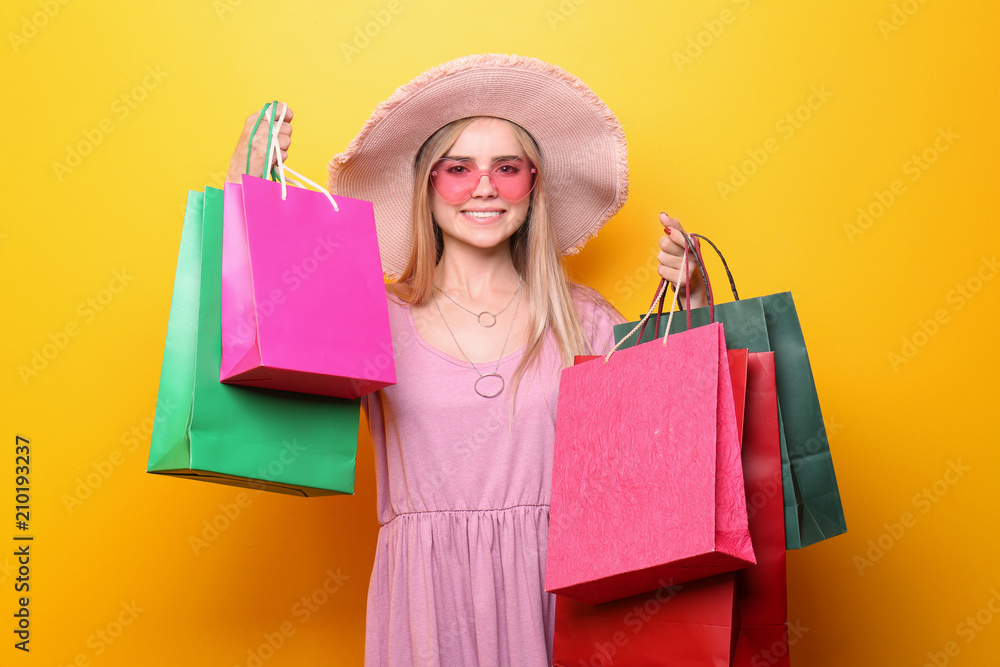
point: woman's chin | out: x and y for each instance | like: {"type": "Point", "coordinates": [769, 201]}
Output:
{"type": "Point", "coordinates": [481, 238]}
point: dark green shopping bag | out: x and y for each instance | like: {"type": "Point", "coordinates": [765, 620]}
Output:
{"type": "Point", "coordinates": [294, 443]}
{"type": "Point", "coordinates": [813, 510]}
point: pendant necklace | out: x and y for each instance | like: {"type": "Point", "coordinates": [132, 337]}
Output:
{"type": "Point", "coordinates": [494, 374]}
{"type": "Point", "coordinates": [485, 318]}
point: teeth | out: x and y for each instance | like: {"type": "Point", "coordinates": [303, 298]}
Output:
{"type": "Point", "coordinates": [483, 214]}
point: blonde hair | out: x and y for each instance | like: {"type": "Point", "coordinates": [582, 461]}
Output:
{"type": "Point", "coordinates": [533, 250]}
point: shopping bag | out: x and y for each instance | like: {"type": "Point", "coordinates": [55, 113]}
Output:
{"type": "Point", "coordinates": [761, 590]}
{"type": "Point", "coordinates": [737, 372]}
{"type": "Point", "coordinates": [292, 443]}
{"type": "Point", "coordinates": [736, 619]}
{"type": "Point", "coordinates": [813, 509]}
{"type": "Point", "coordinates": [682, 625]}
{"type": "Point", "coordinates": [303, 295]}
{"type": "Point", "coordinates": [646, 483]}
{"type": "Point", "coordinates": [690, 624]}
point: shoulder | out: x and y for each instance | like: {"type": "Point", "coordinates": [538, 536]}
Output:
{"type": "Point", "coordinates": [399, 311]}
{"type": "Point", "coordinates": [592, 307]}
{"type": "Point", "coordinates": [399, 296]}
{"type": "Point", "coordinates": [597, 316]}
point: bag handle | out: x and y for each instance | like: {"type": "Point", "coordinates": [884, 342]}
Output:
{"type": "Point", "coordinates": [661, 295]}
{"type": "Point", "coordinates": [687, 293]}
{"type": "Point", "coordinates": [725, 265]}
{"type": "Point", "coordinates": [687, 280]}
{"type": "Point", "coordinates": [274, 155]}
{"type": "Point", "coordinates": [253, 133]}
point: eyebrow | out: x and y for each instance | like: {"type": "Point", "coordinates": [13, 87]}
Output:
{"type": "Point", "coordinates": [499, 157]}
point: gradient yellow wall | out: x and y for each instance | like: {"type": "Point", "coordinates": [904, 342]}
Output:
{"type": "Point", "coordinates": [769, 126]}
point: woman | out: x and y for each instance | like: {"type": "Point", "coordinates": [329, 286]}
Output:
{"type": "Point", "coordinates": [482, 171]}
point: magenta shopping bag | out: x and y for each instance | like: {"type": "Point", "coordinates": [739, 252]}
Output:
{"type": "Point", "coordinates": [647, 482]}
{"type": "Point", "coordinates": [303, 296]}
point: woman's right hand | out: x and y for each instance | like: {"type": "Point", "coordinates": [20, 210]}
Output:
{"type": "Point", "coordinates": [238, 163]}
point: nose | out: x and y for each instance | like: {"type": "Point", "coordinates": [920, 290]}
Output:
{"type": "Point", "coordinates": [484, 187]}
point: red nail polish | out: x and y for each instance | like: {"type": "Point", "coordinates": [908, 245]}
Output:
{"type": "Point", "coordinates": [666, 230]}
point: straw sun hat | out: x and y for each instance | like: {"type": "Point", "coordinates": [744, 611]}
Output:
{"type": "Point", "coordinates": [582, 144]}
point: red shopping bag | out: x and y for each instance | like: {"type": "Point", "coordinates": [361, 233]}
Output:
{"type": "Point", "coordinates": [761, 590]}
{"type": "Point", "coordinates": [684, 625]}
{"type": "Point", "coordinates": [647, 483]}
{"type": "Point", "coordinates": [303, 296]}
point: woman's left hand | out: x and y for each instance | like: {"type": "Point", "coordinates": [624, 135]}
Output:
{"type": "Point", "coordinates": [672, 248]}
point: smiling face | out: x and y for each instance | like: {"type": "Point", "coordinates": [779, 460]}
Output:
{"type": "Point", "coordinates": [485, 219]}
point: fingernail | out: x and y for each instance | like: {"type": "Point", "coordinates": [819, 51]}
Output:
{"type": "Point", "coordinates": [666, 230]}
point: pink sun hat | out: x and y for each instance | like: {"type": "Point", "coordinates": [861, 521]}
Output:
{"type": "Point", "coordinates": [582, 145]}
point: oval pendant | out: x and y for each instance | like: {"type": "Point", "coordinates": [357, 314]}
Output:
{"type": "Point", "coordinates": [491, 320]}
{"type": "Point", "coordinates": [488, 394]}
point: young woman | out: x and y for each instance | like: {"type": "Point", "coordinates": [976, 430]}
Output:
{"type": "Point", "coordinates": [483, 172]}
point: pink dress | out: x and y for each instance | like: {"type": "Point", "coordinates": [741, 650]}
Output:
{"type": "Point", "coordinates": [463, 503]}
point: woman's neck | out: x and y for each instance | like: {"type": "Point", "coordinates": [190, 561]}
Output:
{"type": "Point", "coordinates": [475, 273]}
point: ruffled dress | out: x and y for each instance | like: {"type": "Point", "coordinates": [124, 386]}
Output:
{"type": "Point", "coordinates": [463, 504]}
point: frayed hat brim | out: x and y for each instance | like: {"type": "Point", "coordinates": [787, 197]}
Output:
{"type": "Point", "coordinates": [582, 144]}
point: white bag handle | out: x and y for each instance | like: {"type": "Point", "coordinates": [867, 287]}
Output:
{"type": "Point", "coordinates": [276, 158]}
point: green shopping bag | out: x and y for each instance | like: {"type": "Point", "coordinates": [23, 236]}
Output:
{"type": "Point", "coordinates": [294, 443]}
{"type": "Point", "coordinates": [813, 510]}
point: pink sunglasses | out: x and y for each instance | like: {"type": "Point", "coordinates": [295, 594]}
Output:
{"type": "Point", "coordinates": [456, 180]}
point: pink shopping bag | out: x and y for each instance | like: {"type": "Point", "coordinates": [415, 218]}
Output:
{"type": "Point", "coordinates": [647, 482]}
{"type": "Point", "coordinates": [303, 296]}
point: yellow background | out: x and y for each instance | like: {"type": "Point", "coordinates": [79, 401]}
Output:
{"type": "Point", "coordinates": [862, 293]}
